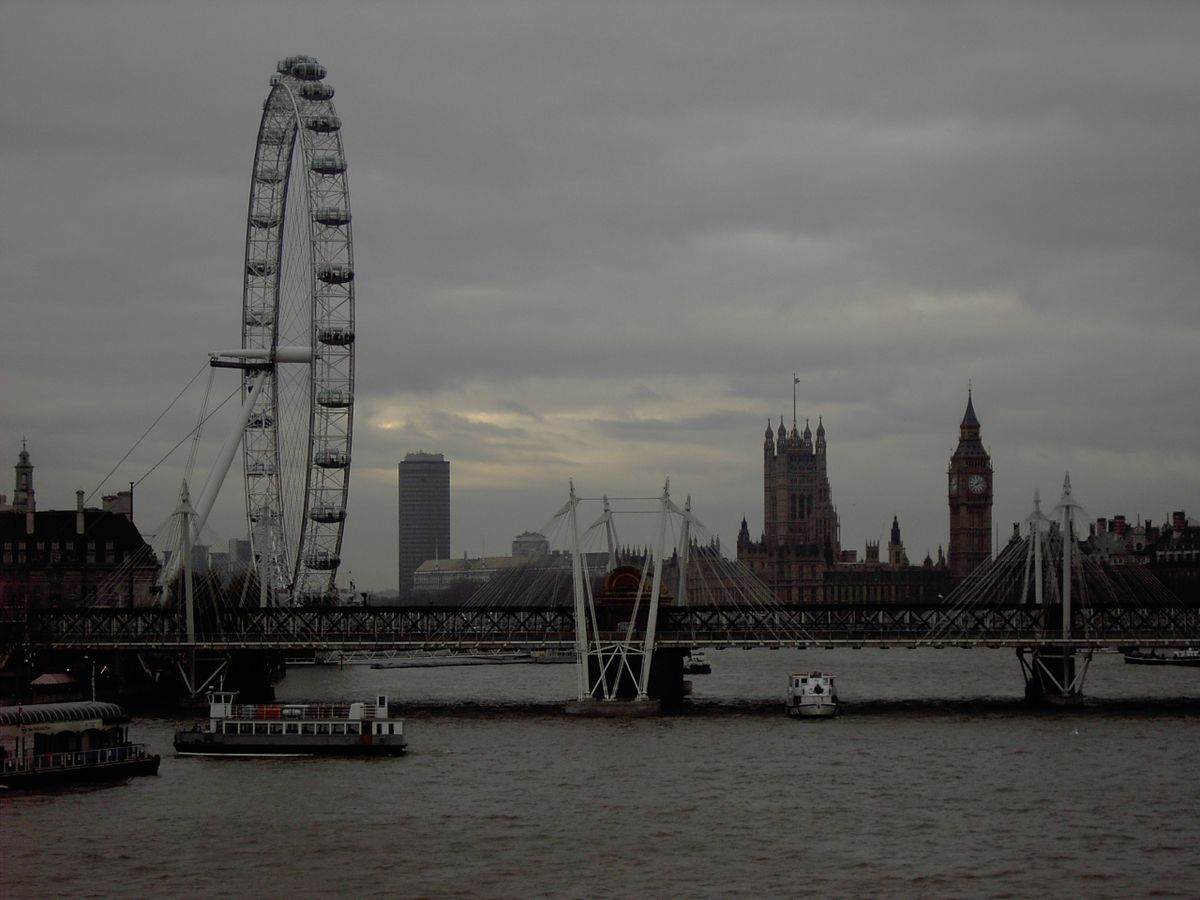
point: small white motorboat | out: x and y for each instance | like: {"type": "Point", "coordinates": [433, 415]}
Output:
{"type": "Point", "coordinates": [812, 695]}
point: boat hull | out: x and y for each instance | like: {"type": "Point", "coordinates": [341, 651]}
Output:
{"type": "Point", "coordinates": [813, 711]}
{"type": "Point", "coordinates": [189, 743]}
{"type": "Point", "coordinates": [1137, 660]}
{"type": "Point", "coordinates": [108, 771]}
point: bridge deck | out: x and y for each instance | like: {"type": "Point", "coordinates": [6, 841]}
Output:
{"type": "Point", "coordinates": [553, 628]}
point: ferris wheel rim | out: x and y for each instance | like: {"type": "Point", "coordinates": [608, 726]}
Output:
{"type": "Point", "coordinates": [296, 527]}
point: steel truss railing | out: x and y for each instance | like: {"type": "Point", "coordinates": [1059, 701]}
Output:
{"type": "Point", "coordinates": [305, 628]}
{"type": "Point", "coordinates": [345, 628]}
{"type": "Point", "coordinates": [926, 625]}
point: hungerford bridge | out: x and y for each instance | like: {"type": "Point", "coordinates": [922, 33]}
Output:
{"type": "Point", "coordinates": [630, 626]}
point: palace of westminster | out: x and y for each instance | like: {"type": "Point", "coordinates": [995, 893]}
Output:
{"type": "Point", "coordinates": [799, 554]}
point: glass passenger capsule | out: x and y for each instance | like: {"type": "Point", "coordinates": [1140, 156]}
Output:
{"type": "Point", "coordinates": [334, 398]}
{"type": "Point", "coordinates": [322, 560]}
{"type": "Point", "coordinates": [323, 124]}
{"type": "Point", "coordinates": [315, 90]}
{"type": "Point", "coordinates": [309, 70]}
{"type": "Point", "coordinates": [331, 215]}
{"type": "Point", "coordinates": [335, 274]}
{"type": "Point", "coordinates": [285, 65]}
{"type": "Point", "coordinates": [260, 268]}
{"type": "Point", "coordinates": [332, 459]}
{"type": "Point", "coordinates": [328, 164]}
{"type": "Point", "coordinates": [336, 335]}
{"type": "Point", "coordinates": [260, 317]}
{"type": "Point", "coordinates": [327, 514]}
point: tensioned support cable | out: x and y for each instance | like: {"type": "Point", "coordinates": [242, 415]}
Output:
{"type": "Point", "coordinates": [184, 439]}
{"type": "Point", "coordinates": [138, 442]}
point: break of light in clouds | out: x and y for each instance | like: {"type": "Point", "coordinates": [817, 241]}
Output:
{"type": "Point", "coordinates": [595, 240]}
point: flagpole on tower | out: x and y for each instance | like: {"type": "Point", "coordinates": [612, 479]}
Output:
{"type": "Point", "coordinates": [795, 381]}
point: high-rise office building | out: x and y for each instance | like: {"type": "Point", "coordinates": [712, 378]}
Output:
{"type": "Point", "coordinates": [424, 480]}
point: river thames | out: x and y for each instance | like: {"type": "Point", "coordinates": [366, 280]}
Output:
{"type": "Point", "coordinates": [936, 781]}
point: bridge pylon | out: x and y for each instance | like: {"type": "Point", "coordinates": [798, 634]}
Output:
{"type": "Point", "coordinates": [1054, 674]}
{"type": "Point", "coordinates": [619, 672]}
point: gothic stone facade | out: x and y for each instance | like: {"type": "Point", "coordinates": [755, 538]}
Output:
{"type": "Point", "coordinates": [970, 487]}
{"type": "Point", "coordinates": [799, 554]}
{"type": "Point", "coordinates": [801, 533]}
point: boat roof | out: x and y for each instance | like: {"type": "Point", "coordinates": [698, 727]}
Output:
{"type": "Point", "coordinates": [75, 711]}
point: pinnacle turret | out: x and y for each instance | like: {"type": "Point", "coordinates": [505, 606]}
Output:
{"type": "Point", "coordinates": [23, 500]}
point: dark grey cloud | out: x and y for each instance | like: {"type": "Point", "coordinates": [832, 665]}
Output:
{"type": "Point", "coordinates": [600, 237]}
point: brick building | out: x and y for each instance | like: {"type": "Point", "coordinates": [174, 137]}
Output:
{"type": "Point", "coordinates": [68, 558]}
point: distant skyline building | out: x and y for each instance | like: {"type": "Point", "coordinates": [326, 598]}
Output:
{"type": "Point", "coordinates": [530, 544]}
{"type": "Point", "coordinates": [424, 513]}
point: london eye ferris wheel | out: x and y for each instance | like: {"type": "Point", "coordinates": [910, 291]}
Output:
{"type": "Point", "coordinates": [298, 307]}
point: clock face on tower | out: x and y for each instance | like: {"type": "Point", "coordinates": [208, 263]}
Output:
{"type": "Point", "coordinates": [953, 485]}
{"type": "Point", "coordinates": [977, 484]}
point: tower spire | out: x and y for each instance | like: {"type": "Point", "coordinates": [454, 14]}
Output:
{"type": "Point", "coordinates": [970, 420]}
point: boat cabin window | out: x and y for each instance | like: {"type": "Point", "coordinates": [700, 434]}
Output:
{"type": "Point", "coordinates": [322, 728]}
{"type": "Point", "coordinates": [353, 728]}
{"type": "Point", "coordinates": [379, 728]}
{"type": "Point", "coordinates": [308, 728]}
{"type": "Point", "coordinates": [292, 727]}
{"type": "Point", "coordinates": [391, 727]}
{"type": "Point", "coordinates": [230, 727]}
{"type": "Point", "coordinates": [339, 728]}
{"type": "Point", "coordinates": [260, 727]}
{"type": "Point", "coordinates": [245, 728]}
{"type": "Point", "coordinates": [276, 727]}
{"type": "Point", "coordinates": [381, 700]}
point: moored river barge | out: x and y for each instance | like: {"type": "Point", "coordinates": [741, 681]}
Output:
{"type": "Point", "coordinates": [45, 744]}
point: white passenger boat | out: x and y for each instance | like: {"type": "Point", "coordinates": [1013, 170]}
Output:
{"type": "Point", "coordinates": [293, 729]}
{"type": "Point", "coordinates": [812, 695]}
{"type": "Point", "coordinates": [696, 663]}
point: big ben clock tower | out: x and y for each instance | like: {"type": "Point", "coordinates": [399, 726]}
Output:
{"type": "Point", "coordinates": [970, 498]}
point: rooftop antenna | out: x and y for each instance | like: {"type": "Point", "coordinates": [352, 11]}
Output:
{"type": "Point", "coordinates": [795, 381]}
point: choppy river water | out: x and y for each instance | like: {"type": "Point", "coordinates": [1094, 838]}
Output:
{"type": "Point", "coordinates": [936, 781]}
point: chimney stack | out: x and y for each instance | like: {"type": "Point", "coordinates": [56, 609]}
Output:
{"type": "Point", "coordinates": [79, 529]}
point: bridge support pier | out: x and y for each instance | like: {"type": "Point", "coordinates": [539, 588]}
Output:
{"type": "Point", "coordinates": [1054, 675]}
{"type": "Point", "coordinates": [666, 675]}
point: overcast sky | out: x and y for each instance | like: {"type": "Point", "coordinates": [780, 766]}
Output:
{"type": "Point", "coordinates": [594, 240]}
